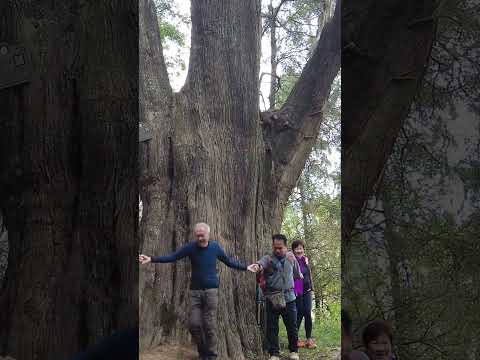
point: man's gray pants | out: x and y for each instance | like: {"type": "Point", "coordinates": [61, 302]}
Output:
{"type": "Point", "coordinates": [203, 321]}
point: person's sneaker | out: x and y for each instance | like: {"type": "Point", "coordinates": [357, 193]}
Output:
{"type": "Point", "coordinates": [300, 343]}
{"type": "Point", "coordinates": [274, 357]}
{"type": "Point", "coordinates": [310, 344]}
{"type": "Point", "coordinates": [294, 356]}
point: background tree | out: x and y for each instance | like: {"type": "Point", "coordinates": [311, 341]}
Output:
{"type": "Point", "coordinates": [293, 29]}
{"type": "Point", "coordinates": [68, 186]}
{"type": "Point", "coordinates": [215, 158]}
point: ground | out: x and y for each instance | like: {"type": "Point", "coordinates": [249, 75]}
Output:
{"type": "Point", "coordinates": [326, 333]}
{"type": "Point", "coordinates": [183, 353]}
{"type": "Point", "coordinates": [170, 353]}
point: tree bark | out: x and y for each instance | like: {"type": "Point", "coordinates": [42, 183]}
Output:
{"type": "Point", "coordinates": [216, 161]}
{"type": "Point", "coordinates": [327, 10]}
{"type": "Point", "coordinates": [69, 180]}
{"type": "Point", "coordinates": [381, 72]}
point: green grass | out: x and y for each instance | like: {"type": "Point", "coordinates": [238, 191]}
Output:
{"type": "Point", "coordinates": [326, 332]}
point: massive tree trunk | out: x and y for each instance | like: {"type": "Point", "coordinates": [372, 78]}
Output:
{"type": "Point", "coordinates": [68, 187]}
{"type": "Point", "coordinates": [215, 158]}
{"type": "Point", "coordinates": [385, 50]}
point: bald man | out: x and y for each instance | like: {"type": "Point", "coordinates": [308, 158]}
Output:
{"type": "Point", "coordinates": [203, 254]}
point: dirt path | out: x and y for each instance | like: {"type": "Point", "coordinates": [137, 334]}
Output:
{"type": "Point", "coordinates": [183, 353]}
{"type": "Point", "coordinates": [168, 352]}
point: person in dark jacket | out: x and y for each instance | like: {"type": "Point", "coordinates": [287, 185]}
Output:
{"type": "Point", "coordinates": [303, 292]}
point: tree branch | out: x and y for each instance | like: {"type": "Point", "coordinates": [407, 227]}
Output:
{"type": "Point", "coordinates": [292, 130]}
{"type": "Point", "coordinates": [377, 98]}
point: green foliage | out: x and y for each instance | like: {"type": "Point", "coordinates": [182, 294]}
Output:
{"type": "Point", "coordinates": [286, 84]}
{"type": "Point", "coordinates": [173, 27]}
{"type": "Point", "coordinates": [326, 332]}
{"type": "Point", "coordinates": [170, 32]}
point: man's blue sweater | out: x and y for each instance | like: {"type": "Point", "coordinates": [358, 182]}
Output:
{"type": "Point", "coordinates": [204, 263]}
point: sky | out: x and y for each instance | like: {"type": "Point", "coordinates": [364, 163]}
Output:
{"type": "Point", "coordinates": [177, 77]}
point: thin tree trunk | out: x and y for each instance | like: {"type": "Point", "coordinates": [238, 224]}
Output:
{"type": "Point", "coordinates": [221, 165]}
{"type": "Point", "coordinates": [273, 56]}
{"type": "Point", "coordinates": [393, 246]}
{"type": "Point", "coordinates": [69, 180]}
{"type": "Point", "coordinates": [309, 239]}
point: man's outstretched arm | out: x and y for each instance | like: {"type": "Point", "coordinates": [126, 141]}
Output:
{"type": "Point", "coordinates": [231, 262]}
{"type": "Point", "coordinates": [177, 255]}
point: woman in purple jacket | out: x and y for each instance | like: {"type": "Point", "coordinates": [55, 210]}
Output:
{"type": "Point", "coordinates": [303, 291]}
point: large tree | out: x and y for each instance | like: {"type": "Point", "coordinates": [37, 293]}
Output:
{"type": "Point", "coordinates": [68, 186]}
{"type": "Point", "coordinates": [214, 157]}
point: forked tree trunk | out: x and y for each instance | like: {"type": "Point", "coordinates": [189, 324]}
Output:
{"type": "Point", "coordinates": [385, 50]}
{"type": "Point", "coordinates": [215, 158]}
{"type": "Point", "coordinates": [68, 187]}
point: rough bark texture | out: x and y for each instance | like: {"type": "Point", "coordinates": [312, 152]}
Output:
{"type": "Point", "coordinates": [212, 159]}
{"type": "Point", "coordinates": [68, 187]}
{"type": "Point", "coordinates": [381, 71]}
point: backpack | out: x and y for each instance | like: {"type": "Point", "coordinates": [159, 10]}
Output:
{"type": "Point", "coordinates": [261, 280]}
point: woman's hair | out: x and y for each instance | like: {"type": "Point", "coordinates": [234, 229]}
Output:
{"type": "Point", "coordinates": [297, 243]}
{"type": "Point", "coordinates": [375, 329]}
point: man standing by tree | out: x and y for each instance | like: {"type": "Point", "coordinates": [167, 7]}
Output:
{"type": "Point", "coordinates": [204, 284]}
{"type": "Point", "coordinates": [280, 269]}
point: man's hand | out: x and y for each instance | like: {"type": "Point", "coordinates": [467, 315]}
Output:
{"type": "Point", "coordinates": [253, 268]}
{"type": "Point", "coordinates": [144, 259]}
{"type": "Point", "coordinates": [291, 257]}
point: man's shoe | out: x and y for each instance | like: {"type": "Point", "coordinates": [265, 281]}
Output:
{"type": "Point", "coordinates": [300, 343]}
{"type": "Point", "coordinates": [294, 356]}
{"type": "Point", "coordinates": [274, 357]}
{"type": "Point", "coordinates": [310, 344]}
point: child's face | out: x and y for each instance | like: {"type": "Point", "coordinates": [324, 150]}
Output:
{"type": "Point", "coordinates": [380, 348]}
